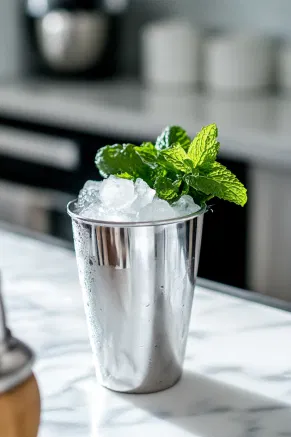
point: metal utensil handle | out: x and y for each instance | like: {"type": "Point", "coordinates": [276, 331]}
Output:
{"type": "Point", "coordinates": [3, 329]}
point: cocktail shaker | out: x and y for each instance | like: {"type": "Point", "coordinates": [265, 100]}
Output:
{"type": "Point", "coordinates": [19, 394]}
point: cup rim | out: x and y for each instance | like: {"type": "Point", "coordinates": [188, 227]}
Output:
{"type": "Point", "coordinates": [112, 224]}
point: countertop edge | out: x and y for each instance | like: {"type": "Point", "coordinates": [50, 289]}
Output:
{"type": "Point", "coordinates": [135, 112]}
{"type": "Point", "coordinates": [205, 283]}
{"type": "Point", "coordinates": [245, 294]}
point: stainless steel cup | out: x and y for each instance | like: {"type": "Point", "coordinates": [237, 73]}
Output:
{"type": "Point", "coordinates": [138, 281]}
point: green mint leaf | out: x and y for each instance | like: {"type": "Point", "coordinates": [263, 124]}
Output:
{"type": "Point", "coordinates": [199, 197]}
{"type": "Point", "coordinates": [121, 159]}
{"type": "Point", "coordinates": [107, 160]}
{"type": "Point", "coordinates": [147, 152]}
{"type": "Point", "coordinates": [204, 148]}
{"type": "Point", "coordinates": [184, 188]}
{"type": "Point", "coordinates": [175, 159]}
{"type": "Point", "coordinates": [126, 175]}
{"type": "Point", "coordinates": [172, 135]}
{"type": "Point", "coordinates": [161, 172]}
{"type": "Point", "coordinates": [189, 164]}
{"type": "Point", "coordinates": [220, 182]}
{"type": "Point", "coordinates": [167, 189]}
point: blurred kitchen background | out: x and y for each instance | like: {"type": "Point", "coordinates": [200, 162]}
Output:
{"type": "Point", "coordinates": [78, 74]}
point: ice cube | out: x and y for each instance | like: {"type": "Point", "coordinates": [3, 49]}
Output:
{"type": "Point", "coordinates": [89, 194]}
{"type": "Point", "coordinates": [92, 212]}
{"type": "Point", "coordinates": [117, 193]}
{"type": "Point", "coordinates": [92, 185]}
{"type": "Point", "coordinates": [144, 195]}
{"type": "Point", "coordinates": [158, 209]}
{"type": "Point", "coordinates": [185, 206]}
{"type": "Point", "coordinates": [98, 212]}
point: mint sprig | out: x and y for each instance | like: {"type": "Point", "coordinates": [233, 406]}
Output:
{"type": "Point", "coordinates": [172, 135]}
{"type": "Point", "coordinates": [124, 160]}
{"type": "Point", "coordinates": [205, 147]}
{"type": "Point", "coordinates": [175, 165]}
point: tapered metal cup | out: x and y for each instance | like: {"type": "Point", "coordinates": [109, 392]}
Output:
{"type": "Point", "coordinates": [138, 282]}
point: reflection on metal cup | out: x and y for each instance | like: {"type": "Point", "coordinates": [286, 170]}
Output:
{"type": "Point", "coordinates": [138, 282]}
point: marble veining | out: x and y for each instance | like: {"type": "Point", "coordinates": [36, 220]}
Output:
{"type": "Point", "coordinates": [237, 379]}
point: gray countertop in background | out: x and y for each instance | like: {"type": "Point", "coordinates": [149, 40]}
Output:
{"type": "Point", "coordinates": [237, 379]}
{"type": "Point", "coordinates": [256, 129]}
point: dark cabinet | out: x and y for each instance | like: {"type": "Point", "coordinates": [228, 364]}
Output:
{"type": "Point", "coordinates": [223, 253]}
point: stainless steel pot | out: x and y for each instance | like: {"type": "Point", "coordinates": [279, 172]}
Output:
{"type": "Point", "coordinates": [71, 41]}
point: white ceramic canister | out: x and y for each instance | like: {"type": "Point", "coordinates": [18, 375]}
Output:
{"type": "Point", "coordinates": [238, 62]}
{"type": "Point", "coordinates": [284, 66]}
{"type": "Point", "coordinates": [170, 54]}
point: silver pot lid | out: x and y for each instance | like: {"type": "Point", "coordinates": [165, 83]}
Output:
{"type": "Point", "coordinates": [16, 358]}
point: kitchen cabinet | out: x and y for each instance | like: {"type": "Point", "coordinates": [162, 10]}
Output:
{"type": "Point", "coordinates": [269, 239]}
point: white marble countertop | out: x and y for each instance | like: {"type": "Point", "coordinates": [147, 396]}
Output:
{"type": "Point", "coordinates": [237, 379]}
{"type": "Point", "coordinates": [252, 128]}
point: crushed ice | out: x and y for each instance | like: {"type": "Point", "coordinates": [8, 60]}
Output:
{"type": "Point", "coordinates": [122, 200]}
